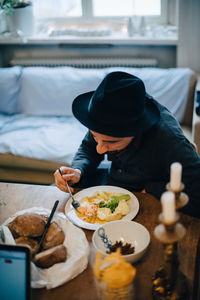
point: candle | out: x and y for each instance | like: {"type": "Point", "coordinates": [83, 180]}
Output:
{"type": "Point", "coordinates": [175, 176]}
{"type": "Point", "coordinates": [168, 207]}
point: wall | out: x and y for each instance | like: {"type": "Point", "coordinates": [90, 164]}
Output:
{"type": "Point", "coordinates": [188, 51]}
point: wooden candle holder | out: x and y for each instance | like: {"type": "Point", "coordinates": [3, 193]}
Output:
{"type": "Point", "coordinates": [168, 281]}
{"type": "Point", "coordinates": [180, 197]}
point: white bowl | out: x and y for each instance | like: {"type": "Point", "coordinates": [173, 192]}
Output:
{"type": "Point", "coordinates": [131, 232]}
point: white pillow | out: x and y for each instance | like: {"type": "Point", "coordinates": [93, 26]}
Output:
{"type": "Point", "coordinates": [51, 91]}
{"type": "Point", "coordinates": [9, 89]}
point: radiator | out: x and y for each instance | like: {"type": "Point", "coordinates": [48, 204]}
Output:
{"type": "Point", "coordinates": [85, 62]}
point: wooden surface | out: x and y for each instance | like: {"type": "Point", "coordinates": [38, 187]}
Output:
{"type": "Point", "coordinates": [21, 196]}
{"type": "Point", "coordinates": [196, 283]}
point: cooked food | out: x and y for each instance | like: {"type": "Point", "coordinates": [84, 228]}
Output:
{"type": "Point", "coordinates": [31, 243]}
{"type": "Point", "coordinates": [122, 208]}
{"type": "Point", "coordinates": [54, 236]}
{"type": "Point", "coordinates": [103, 207]}
{"type": "Point", "coordinates": [31, 225]}
{"type": "Point", "coordinates": [48, 258]}
{"type": "Point", "coordinates": [105, 214]}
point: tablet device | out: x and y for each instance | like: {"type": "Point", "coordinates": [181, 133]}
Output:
{"type": "Point", "coordinates": [14, 272]}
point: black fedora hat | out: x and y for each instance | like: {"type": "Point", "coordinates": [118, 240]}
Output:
{"type": "Point", "coordinates": [119, 107]}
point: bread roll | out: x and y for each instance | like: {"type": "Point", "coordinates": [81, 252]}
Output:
{"type": "Point", "coordinates": [54, 236]}
{"type": "Point", "coordinates": [23, 240]}
{"type": "Point", "coordinates": [48, 258]}
{"type": "Point", "coordinates": [28, 224]}
{"type": "Point", "coordinates": [14, 233]}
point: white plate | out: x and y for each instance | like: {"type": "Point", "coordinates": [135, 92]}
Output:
{"type": "Point", "coordinates": [72, 216]}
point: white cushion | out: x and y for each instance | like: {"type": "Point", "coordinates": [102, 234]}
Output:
{"type": "Point", "coordinates": [9, 89]}
{"type": "Point", "coordinates": [51, 91]}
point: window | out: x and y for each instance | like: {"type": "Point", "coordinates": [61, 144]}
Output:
{"type": "Point", "coordinates": [126, 7]}
{"type": "Point", "coordinates": [93, 9]}
{"type": "Point", "coordinates": [46, 9]}
{"type": "Point", "coordinates": [99, 17]}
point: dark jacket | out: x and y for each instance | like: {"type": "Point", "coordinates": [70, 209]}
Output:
{"type": "Point", "coordinates": [145, 163]}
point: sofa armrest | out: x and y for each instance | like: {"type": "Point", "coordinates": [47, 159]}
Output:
{"type": "Point", "coordinates": [188, 115]}
{"type": "Point", "coordinates": [196, 120]}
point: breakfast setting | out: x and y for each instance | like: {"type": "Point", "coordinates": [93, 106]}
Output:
{"type": "Point", "coordinates": [59, 249]}
{"type": "Point", "coordinates": [99, 233]}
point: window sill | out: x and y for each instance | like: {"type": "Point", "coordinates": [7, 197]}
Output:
{"type": "Point", "coordinates": [67, 40]}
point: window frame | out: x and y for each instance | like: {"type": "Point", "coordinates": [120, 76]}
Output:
{"type": "Point", "coordinates": [87, 16]}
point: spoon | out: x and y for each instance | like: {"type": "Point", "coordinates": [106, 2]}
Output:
{"type": "Point", "coordinates": [75, 203]}
{"type": "Point", "coordinates": [104, 237]}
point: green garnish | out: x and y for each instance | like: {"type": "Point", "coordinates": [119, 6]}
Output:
{"type": "Point", "coordinates": [121, 197]}
{"type": "Point", "coordinates": [114, 202]}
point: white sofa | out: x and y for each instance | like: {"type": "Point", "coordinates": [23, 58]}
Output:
{"type": "Point", "coordinates": [37, 130]}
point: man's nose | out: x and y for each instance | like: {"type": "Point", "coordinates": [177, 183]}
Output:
{"type": "Point", "coordinates": [101, 148]}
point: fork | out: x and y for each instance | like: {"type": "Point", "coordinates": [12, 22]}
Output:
{"type": "Point", "coordinates": [75, 203]}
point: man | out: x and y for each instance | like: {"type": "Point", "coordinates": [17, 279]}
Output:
{"type": "Point", "coordinates": [140, 136]}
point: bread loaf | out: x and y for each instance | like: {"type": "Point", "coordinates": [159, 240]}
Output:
{"type": "Point", "coordinates": [54, 236]}
{"type": "Point", "coordinates": [48, 258]}
{"type": "Point", "coordinates": [31, 243]}
{"type": "Point", "coordinates": [30, 225]}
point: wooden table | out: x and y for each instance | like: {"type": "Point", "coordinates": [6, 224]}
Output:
{"type": "Point", "coordinates": [21, 196]}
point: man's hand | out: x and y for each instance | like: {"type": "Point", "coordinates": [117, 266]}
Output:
{"type": "Point", "coordinates": [70, 175]}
